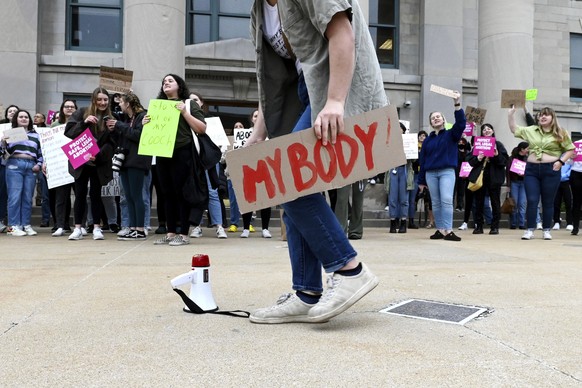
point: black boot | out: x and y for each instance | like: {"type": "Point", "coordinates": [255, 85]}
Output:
{"type": "Point", "coordinates": [402, 228]}
{"type": "Point", "coordinates": [412, 225]}
{"type": "Point", "coordinates": [393, 225]}
{"type": "Point", "coordinates": [478, 229]}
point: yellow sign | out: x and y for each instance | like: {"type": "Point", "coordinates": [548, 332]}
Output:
{"type": "Point", "coordinates": [159, 135]}
{"type": "Point", "coordinates": [531, 94]}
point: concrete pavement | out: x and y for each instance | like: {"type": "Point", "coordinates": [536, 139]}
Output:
{"type": "Point", "coordinates": [102, 313]}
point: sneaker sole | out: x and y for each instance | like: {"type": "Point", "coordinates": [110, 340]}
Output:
{"type": "Point", "coordinates": [363, 291]}
{"type": "Point", "coordinates": [279, 320]}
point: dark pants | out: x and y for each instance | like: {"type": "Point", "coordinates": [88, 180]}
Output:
{"type": "Point", "coordinates": [540, 181]}
{"type": "Point", "coordinates": [494, 192]}
{"type": "Point", "coordinates": [88, 175]}
{"type": "Point", "coordinates": [564, 194]}
{"type": "Point", "coordinates": [576, 186]}
{"type": "Point", "coordinates": [265, 218]}
{"type": "Point", "coordinates": [61, 205]}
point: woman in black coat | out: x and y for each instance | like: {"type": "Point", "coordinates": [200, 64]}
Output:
{"type": "Point", "coordinates": [493, 179]}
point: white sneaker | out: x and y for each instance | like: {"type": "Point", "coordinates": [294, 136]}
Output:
{"type": "Point", "coordinates": [341, 293]}
{"type": "Point", "coordinates": [245, 233]}
{"type": "Point", "coordinates": [58, 233]}
{"type": "Point", "coordinates": [547, 235]}
{"type": "Point", "coordinates": [196, 232]}
{"type": "Point", "coordinates": [98, 234]}
{"type": "Point", "coordinates": [18, 232]}
{"type": "Point", "coordinates": [2, 227]}
{"type": "Point", "coordinates": [220, 233]}
{"type": "Point", "coordinates": [387, 208]}
{"type": "Point", "coordinates": [539, 226]}
{"type": "Point", "coordinates": [266, 233]}
{"type": "Point", "coordinates": [83, 231]}
{"type": "Point", "coordinates": [76, 235]}
{"type": "Point", "coordinates": [124, 231]}
{"type": "Point", "coordinates": [29, 231]}
{"type": "Point", "coordinates": [288, 308]}
{"type": "Point", "coordinates": [556, 226]}
{"type": "Point", "coordinates": [570, 227]}
{"type": "Point", "coordinates": [528, 235]}
{"type": "Point", "coordinates": [463, 226]}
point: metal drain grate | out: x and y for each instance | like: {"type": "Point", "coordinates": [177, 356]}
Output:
{"type": "Point", "coordinates": [435, 311]}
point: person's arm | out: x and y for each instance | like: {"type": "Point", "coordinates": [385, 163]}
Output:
{"type": "Point", "coordinates": [511, 119]}
{"type": "Point", "coordinates": [197, 125]}
{"type": "Point", "coordinates": [330, 121]}
{"type": "Point", "coordinates": [259, 133]}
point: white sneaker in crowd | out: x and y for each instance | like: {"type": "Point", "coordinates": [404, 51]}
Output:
{"type": "Point", "coordinates": [17, 231]}
{"type": "Point", "coordinates": [245, 233]}
{"type": "Point", "coordinates": [76, 235]}
{"type": "Point", "coordinates": [124, 231]}
{"type": "Point", "coordinates": [539, 226]}
{"type": "Point", "coordinates": [29, 231]}
{"type": "Point", "coordinates": [266, 233]}
{"type": "Point", "coordinates": [463, 226]}
{"type": "Point", "coordinates": [570, 227]}
{"type": "Point", "coordinates": [528, 235]}
{"type": "Point", "coordinates": [556, 226]}
{"type": "Point", "coordinates": [58, 233]}
{"type": "Point", "coordinates": [288, 308]}
{"type": "Point", "coordinates": [220, 233]}
{"type": "Point", "coordinates": [98, 234]}
{"type": "Point", "coordinates": [83, 231]}
{"type": "Point", "coordinates": [547, 235]}
{"type": "Point", "coordinates": [196, 232]}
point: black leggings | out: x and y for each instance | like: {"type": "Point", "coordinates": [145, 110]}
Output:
{"type": "Point", "coordinates": [265, 218]}
{"type": "Point", "coordinates": [88, 175]}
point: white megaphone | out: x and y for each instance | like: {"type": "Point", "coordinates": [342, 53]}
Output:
{"type": "Point", "coordinates": [199, 279]}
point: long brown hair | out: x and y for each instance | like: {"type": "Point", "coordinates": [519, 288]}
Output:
{"type": "Point", "coordinates": [559, 133]}
{"type": "Point", "coordinates": [134, 103]}
{"type": "Point", "coordinates": [92, 109]}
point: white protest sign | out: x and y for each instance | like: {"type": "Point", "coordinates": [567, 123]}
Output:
{"type": "Point", "coordinates": [410, 143]}
{"type": "Point", "coordinates": [443, 91]}
{"type": "Point", "coordinates": [57, 163]}
{"type": "Point", "coordinates": [215, 131]}
{"type": "Point", "coordinates": [241, 136]}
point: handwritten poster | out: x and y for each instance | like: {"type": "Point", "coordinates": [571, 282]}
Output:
{"type": "Point", "coordinates": [159, 135]}
{"type": "Point", "coordinates": [241, 135]}
{"type": "Point", "coordinates": [81, 149]}
{"type": "Point", "coordinates": [56, 162]}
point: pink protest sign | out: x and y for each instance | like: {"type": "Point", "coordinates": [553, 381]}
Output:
{"type": "Point", "coordinates": [49, 116]}
{"type": "Point", "coordinates": [469, 126]}
{"type": "Point", "coordinates": [485, 144]}
{"type": "Point", "coordinates": [518, 167]}
{"type": "Point", "coordinates": [81, 149]}
{"type": "Point", "coordinates": [465, 170]}
{"type": "Point", "coordinates": [578, 156]}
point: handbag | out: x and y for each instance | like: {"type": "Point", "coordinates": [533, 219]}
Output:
{"type": "Point", "coordinates": [508, 205]}
{"type": "Point", "coordinates": [475, 183]}
{"type": "Point", "coordinates": [208, 152]}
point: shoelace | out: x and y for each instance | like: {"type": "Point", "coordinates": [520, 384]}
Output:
{"type": "Point", "coordinates": [332, 283]}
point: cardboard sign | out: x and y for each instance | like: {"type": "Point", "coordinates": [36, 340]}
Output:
{"type": "Point", "coordinates": [531, 94]}
{"type": "Point", "coordinates": [513, 97]}
{"type": "Point", "coordinates": [113, 188]}
{"type": "Point", "coordinates": [578, 156]}
{"type": "Point", "coordinates": [443, 91]}
{"type": "Point", "coordinates": [115, 80]}
{"type": "Point", "coordinates": [81, 149]}
{"type": "Point", "coordinates": [291, 166]}
{"type": "Point", "coordinates": [410, 144]}
{"type": "Point", "coordinates": [469, 128]}
{"type": "Point", "coordinates": [465, 170]}
{"type": "Point", "coordinates": [14, 135]}
{"type": "Point", "coordinates": [159, 135]}
{"type": "Point", "coordinates": [56, 162]}
{"type": "Point", "coordinates": [215, 131]}
{"type": "Point", "coordinates": [475, 115]}
{"type": "Point", "coordinates": [485, 144]}
{"type": "Point", "coordinates": [518, 167]}
{"type": "Point", "coordinates": [241, 135]}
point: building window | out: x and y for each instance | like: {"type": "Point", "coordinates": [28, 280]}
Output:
{"type": "Point", "coordinates": [383, 26]}
{"type": "Point", "coordinates": [576, 67]}
{"type": "Point", "coordinates": [94, 25]}
{"type": "Point", "coordinates": [212, 20]}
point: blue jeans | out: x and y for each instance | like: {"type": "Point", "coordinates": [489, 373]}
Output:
{"type": "Point", "coordinates": [518, 195]}
{"type": "Point", "coordinates": [146, 202]}
{"type": "Point", "coordinates": [132, 181]}
{"type": "Point", "coordinates": [314, 235]}
{"type": "Point", "coordinates": [20, 183]}
{"type": "Point", "coordinates": [412, 198]}
{"type": "Point", "coordinates": [214, 209]}
{"type": "Point", "coordinates": [3, 193]}
{"type": "Point", "coordinates": [441, 184]}
{"type": "Point", "coordinates": [541, 181]}
{"type": "Point", "coordinates": [398, 197]}
{"type": "Point", "coordinates": [234, 212]}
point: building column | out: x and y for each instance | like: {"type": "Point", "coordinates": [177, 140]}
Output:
{"type": "Point", "coordinates": [505, 58]}
{"type": "Point", "coordinates": [441, 56]}
{"type": "Point", "coordinates": [154, 33]}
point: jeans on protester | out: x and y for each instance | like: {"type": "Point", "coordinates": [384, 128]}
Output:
{"type": "Point", "coordinates": [132, 181]}
{"type": "Point", "coordinates": [541, 180]}
{"type": "Point", "coordinates": [314, 235]}
{"type": "Point", "coordinates": [146, 195]}
{"type": "Point", "coordinates": [3, 193]}
{"type": "Point", "coordinates": [412, 198]}
{"type": "Point", "coordinates": [518, 195]}
{"type": "Point", "coordinates": [20, 185]}
{"type": "Point", "coordinates": [441, 184]}
{"type": "Point", "coordinates": [234, 211]}
{"type": "Point", "coordinates": [398, 196]}
{"type": "Point", "coordinates": [214, 209]}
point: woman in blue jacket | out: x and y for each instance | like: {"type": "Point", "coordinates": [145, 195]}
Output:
{"type": "Point", "coordinates": [438, 160]}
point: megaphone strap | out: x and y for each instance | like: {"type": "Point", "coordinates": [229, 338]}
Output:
{"type": "Point", "coordinates": [195, 309]}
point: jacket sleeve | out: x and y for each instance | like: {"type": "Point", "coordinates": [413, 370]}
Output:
{"type": "Point", "coordinates": [76, 124]}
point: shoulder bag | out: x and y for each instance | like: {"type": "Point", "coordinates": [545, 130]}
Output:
{"type": "Point", "coordinates": [208, 152]}
{"type": "Point", "coordinates": [475, 183]}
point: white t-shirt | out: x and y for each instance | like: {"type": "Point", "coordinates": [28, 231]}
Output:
{"type": "Point", "coordinates": [274, 33]}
